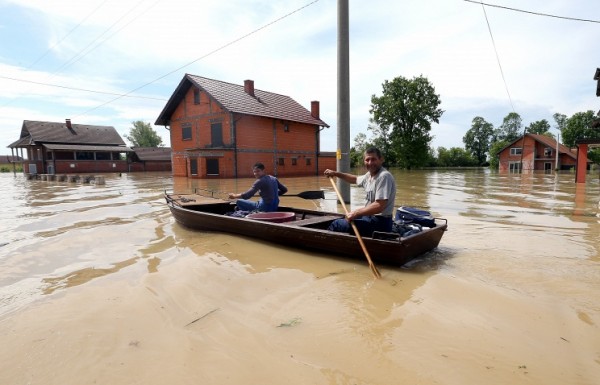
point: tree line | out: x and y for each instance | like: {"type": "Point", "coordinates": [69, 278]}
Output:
{"type": "Point", "coordinates": [402, 117]}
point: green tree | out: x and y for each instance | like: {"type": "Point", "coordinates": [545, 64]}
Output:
{"type": "Point", "coordinates": [405, 111]}
{"type": "Point", "coordinates": [594, 155]}
{"type": "Point", "coordinates": [455, 157]}
{"type": "Point", "coordinates": [560, 120]}
{"type": "Point", "coordinates": [357, 152]}
{"type": "Point", "coordinates": [578, 126]}
{"type": "Point", "coordinates": [478, 138]}
{"type": "Point", "coordinates": [494, 150]}
{"type": "Point", "coordinates": [581, 126]}
{"type": "Point", "coordinates": [540, 127]}
{"type": "Point", "coordinates": [143, 135]}
{"type": "Point", "coordinates": [381, 140]}
{"type": "Point", "coordinates": [511, 127]}
{"type": "Point", "coordinates": [431, 158]}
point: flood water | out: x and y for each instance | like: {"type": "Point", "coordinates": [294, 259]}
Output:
{"type": "Point", "coordinates": [99, 285]}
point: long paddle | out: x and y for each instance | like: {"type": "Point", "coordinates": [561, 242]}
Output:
{"type": "Point", "coordinates": [358, 236]}
{"type": "Point", "coordinates": [317, 194]}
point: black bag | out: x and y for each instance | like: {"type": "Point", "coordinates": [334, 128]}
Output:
{"type": "Point", "coordinates": [407, 215]}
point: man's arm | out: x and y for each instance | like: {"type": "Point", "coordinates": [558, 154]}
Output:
{"type": "Point", "coordinates": [246, 195]}
{"type": "Point", "coordinates": [350, 178]}
{"type": "Point", "coordinates": [281, 189]}
{"type": "Point", "coordinates": [373, 208]}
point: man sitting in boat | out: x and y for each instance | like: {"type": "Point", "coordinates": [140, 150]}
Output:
{"type": "Point", "coordinates": [380, 188]}
{"type": "Point", "coordinates": [268, 187]}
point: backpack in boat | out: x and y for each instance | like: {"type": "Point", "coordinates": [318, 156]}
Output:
{"type": "Point", "coordinates": [406, 215]}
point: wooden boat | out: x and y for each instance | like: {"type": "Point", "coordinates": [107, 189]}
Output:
{"type": "Point", "coordinates": [302, 228]}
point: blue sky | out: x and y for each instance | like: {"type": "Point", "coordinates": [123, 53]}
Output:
{"type": "Point", "coordinates": [75, 59]}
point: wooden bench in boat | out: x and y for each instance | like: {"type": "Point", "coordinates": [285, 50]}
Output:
{"type": "Point", "coordinates": [195, 199]}
{"type": "Point", "coordinates": [314, 220]}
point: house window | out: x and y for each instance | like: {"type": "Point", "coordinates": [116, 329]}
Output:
{"type": "Point", "coordinates": [103, 156]}
{"type": "Point", "coordinates": [84, 155]}
{"type": "Point", "coordinates": [196, 96]}
{"type": "Point", "coordinates": [212, 166]}
{"type": "Point", "coordinates": [286, 127]}
{"type": "Point", "coordinates": [514, 167]}
{"type": "Point", "coordinates": [308, 161]}
{"type": "Point", "coordinates": [294, 161]}
{"type": "Point", "coordinates": [216, 134]}
{"type": "Point", "coordinates": [516, 151]}
{"type": "Point", "coordinates": [64, 155]}
{"type": "Point", "coordinates": [186, 132]}
{"type": "Point", "coordinates": [547, 152]}
{"type": "Point", "coordinates": [280, 162]}
{"type": "Point", "coordinates": [194, 166]}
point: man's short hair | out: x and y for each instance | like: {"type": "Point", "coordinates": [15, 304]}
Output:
{"type": "Point", "coordinates": [373, 150]}
{"type": "Point", "coordinates": [259, 166]}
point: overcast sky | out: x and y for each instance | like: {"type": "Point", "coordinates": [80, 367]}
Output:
{"type": "Point", "coordinates": [75, 59]}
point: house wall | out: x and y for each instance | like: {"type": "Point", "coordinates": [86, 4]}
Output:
{"type": "Point", "coordinates": [505, 157]}
{"type": "Point", "coordinates": [155, 165]}
{"type": "Point", "coordinates": [285, 148]}
{"type": "Point", "coordinates": [327, 162]}
{"type": "Point", "coordinates": [89, 166]}
{"type": "Point", "coordinates": [75, 166]}
{"type": "Point", "coordinates": [38, 157]}
{"type": "Point", "coordinates": [534, 157]}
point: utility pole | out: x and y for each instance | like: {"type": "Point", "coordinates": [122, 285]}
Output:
{"type": "Point", "coordinates": [343, 96]}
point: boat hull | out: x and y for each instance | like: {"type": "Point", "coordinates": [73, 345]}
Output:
{"type": "Point", "coordinates": [308, 231]}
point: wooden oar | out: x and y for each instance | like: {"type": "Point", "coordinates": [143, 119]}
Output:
{"type": "Point", "coordinates": [319, 194]}
{"type": "Point", "coordinates": [358, 236]}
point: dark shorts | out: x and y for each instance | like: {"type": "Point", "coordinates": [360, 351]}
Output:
{"type": "Point", "coordinates": [365, 225]}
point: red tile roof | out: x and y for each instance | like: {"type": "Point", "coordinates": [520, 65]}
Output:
{"type": "Point", "coordinates": [233, 98]}
{"type": "Point", "coordinates": [548, 141]}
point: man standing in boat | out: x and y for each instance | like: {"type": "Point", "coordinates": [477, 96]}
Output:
{"type": "Point", "coordinates": [268, 187]}
{"type": "Point", "coordinates": [380, 188]}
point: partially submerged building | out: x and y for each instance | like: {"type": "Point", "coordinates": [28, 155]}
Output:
{"type": "Point", "coordinates": [69, 148]}
{"type": "Point", "coordinates": [220, 129]}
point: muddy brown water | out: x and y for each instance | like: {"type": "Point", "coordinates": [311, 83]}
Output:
{"type": "Point", "coordinates": [98, 285]}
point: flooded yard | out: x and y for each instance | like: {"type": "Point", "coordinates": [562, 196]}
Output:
{"type": "Point", "coordinates": [98, 284]}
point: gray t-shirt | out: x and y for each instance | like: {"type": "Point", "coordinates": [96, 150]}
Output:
{"type": "Point", "coordinates": [381, 186]}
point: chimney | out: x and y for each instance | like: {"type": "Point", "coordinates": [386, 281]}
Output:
{"type": "Point", "coordinates": [68, 122]}
{"type": "Point", "coordinates": [314, 109]}
{"type": "Point", "coordinates": [249, 87]}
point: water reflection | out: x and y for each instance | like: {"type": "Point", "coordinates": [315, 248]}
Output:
{"type": "Point", "coordinates": [58, 233]}
{"type": "Point", "coordinates": [515, 282]}
{"type": "Point", "coordinates": [79, 277]}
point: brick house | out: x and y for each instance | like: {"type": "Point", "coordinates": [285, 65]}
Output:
{"type": "Point", "coordinates": [150, 159]}
{"type": "Point", "coordinates": [221, 129]}
{"type": "Point", "coordinates": [67, 148]}
{"type": "Point", "coordinates": [533, 152]}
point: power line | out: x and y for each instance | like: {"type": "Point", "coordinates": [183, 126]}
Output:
{"type": "Point", "coordinates": [497, 57]}
{"type": "Point", "coordinates": [82, 53]}
{"type": "Point", "coordinates": [532, 13]}
{"type": "Point", "coordinates": [77, 89]}
{"type": "Point", "coordinates": [67, 35]}
{"type": "Point", "coordinates": [202, 57]}
{"type": "Point", "coordinates": [79, 55]}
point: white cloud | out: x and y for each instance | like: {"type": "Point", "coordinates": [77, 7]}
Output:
{"type": "Point", "coordinates": [122, 45]}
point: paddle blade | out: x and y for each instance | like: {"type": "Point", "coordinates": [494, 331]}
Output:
{"type": "Point", "coordinates": [320, 194]}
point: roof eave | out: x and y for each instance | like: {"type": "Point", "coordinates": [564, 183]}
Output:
{"type": "Point", "coordinates": [173, 102]}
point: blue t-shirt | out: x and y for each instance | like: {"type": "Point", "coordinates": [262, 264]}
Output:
{"type": "Point", "coordinates": [269, 189]}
